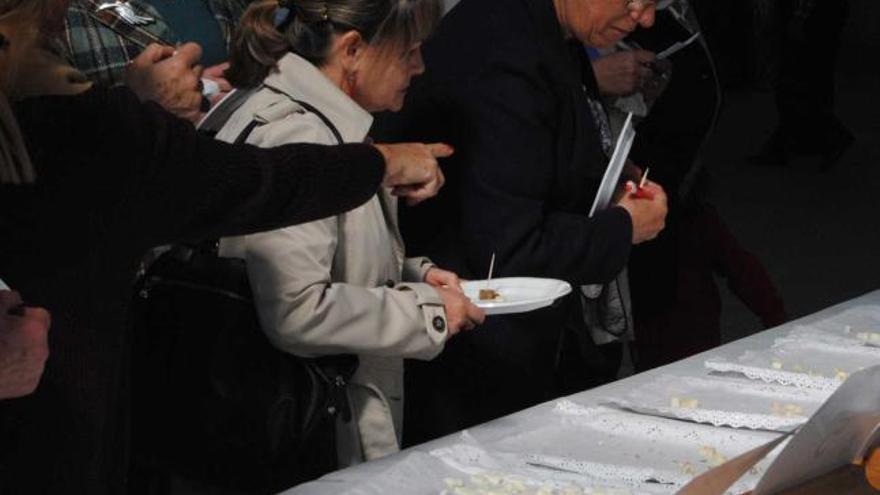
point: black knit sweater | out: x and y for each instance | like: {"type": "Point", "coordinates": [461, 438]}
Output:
{"type": "Point", "coordinates": [116, 177]}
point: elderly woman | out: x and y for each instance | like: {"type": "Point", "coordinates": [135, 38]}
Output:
{"type": "Point", "coordinates": [80, 206]}
{"type": "Point", "coordinates": [341, 285]}
{"type": "Point", "coordinates": [510, 86]}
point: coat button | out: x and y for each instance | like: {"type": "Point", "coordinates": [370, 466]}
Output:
{"type": "Point", "coordinates": [439, 323]}
{"type": "Point", "coordinates": [390, 284]}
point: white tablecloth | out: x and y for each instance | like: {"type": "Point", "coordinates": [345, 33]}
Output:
{"type": "Point", "coordinates": [507, 433]}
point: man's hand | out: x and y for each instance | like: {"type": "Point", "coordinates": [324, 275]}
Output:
{"type": "Point", "coordinates": [623, 73]}
{"type": "Point", "coordinates": [169, 77]}
{"type": "Point", "coordinates": [648, 215]}
{"type": "Point", "coordinates": [24, 345]}
{"type": "Point", "coordinates": [412, 171]}
{"type": "Point", "coordinates": [461, 314]}
{"type": "Point", "coordinates": [436, 277]}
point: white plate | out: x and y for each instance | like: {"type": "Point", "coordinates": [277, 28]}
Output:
{"type": "Point", "coordinates": [520, 294]}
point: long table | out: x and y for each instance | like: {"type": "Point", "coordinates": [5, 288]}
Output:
{"type": "Point", "coordinates": [489, 433]}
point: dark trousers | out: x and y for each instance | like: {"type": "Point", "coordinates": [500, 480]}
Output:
{"type": "Point", "coordinates": [508, 364]}
{"type": "Point", "coordinates": [805, 88]}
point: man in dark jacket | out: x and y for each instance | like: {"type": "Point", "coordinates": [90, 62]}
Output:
{"type": "Point", "coordinates": [509, 85]}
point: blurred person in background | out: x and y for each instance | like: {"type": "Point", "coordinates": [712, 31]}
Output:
{"type": "Point", "coordinates": [805, 86]}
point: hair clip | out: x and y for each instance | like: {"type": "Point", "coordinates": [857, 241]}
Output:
{"type": "Point", "coordinates": [325, 14]}
{"type": "Point", "coordinates": [281, 16]}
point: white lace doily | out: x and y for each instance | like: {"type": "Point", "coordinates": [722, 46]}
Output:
{"type": "Point", "coordinates": [466, 468]}
{"type": "Point", "coordinates": [724, 402]}
{"type": "Point", "coordinates": [800, 362]}
{"type": "Point", "coordinates": [618, 445]}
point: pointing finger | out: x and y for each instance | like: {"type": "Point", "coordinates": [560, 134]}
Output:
{"type": "Point", "coordinates": [440, 150]}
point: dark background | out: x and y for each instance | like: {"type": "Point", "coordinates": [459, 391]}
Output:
{"type": "Point", "coordinates": [817, 232]}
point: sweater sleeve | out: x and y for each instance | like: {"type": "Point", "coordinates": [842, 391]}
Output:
{"type": "Point", "coordinates": [172, 184]}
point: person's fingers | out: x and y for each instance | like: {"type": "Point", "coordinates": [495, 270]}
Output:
{"type": "Point", "coordinates": [217, 71]}
{"type": "Point", "coordinates": [40, 315]}
{"type": "Point", "coordinates": [447, 279]}
{"type": "Point", "coordinates": [193, 100]}
{"type": "Point", "coordinates": [153, 53]}
{"type": "Point", "coordinates": [644, 56]}
{"type": "Point", "coordinates": [644, 75]}
{"type": "Point", "coordinates": [416, 196]}
{"type": "Point", "coordinates": [475, 314]}
{"type": "Point", "coordinates": [440, 180]}
{"type": "Point", "coordinates": [9, 299]}
{"type": "Point", "coordinates": [419, 194]}
{"type": "Point", "coordinates": [189, 53]}
{"type": "Point", "coordinates": [401, 191]}
{"type": "Point", "coordinates": [440, 150]}
{"type": "Point", "coordinates": [197, 71]}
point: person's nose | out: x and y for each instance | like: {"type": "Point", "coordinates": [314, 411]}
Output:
{"type": "Point", "coordinates": [645, 16]}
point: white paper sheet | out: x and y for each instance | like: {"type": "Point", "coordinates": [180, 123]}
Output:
{"type": "Point", "coordinates": [834, 437]}
{"type": "Point", "coordinates": [615, 167]}
{"type": "Point", "coordinates": [678, 46]}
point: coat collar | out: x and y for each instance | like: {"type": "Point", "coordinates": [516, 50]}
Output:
{"type": "Point", "coordinates": [297, 78]}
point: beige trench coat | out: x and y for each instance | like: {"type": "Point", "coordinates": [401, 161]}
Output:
{"type": "Point", "coordinates": [337, 285]}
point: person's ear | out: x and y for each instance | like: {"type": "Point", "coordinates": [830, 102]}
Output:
{"type": "Point", "coordinates": [351, 49]}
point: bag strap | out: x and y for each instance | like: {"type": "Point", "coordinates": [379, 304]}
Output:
{"type": "Point", "coordinates": [246, 132]}
{"type": "Point", "coordinates": [220, 113]}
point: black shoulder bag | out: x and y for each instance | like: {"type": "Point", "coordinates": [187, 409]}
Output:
{"type": "Point", "coordinates": [213, 400]}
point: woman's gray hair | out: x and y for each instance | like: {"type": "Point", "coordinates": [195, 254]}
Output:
{"type": "Point", "coordinates": [310, 25]}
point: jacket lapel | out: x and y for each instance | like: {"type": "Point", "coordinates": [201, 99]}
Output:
{"type": "Point", "coordinates": [156, 31]}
